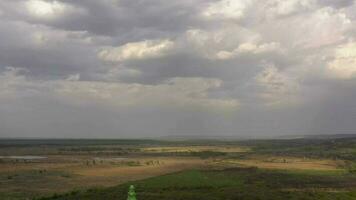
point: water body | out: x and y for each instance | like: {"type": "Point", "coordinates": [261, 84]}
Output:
{"type": "Point", "coordinates": [25, 157]}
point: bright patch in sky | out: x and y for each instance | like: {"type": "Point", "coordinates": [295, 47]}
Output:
{"type": "Point", "coordinates": [344, 64]}
{"type": "Point", "coordinates": [40, 8]}
{"type": "Point", "coordinates": [231, 9]}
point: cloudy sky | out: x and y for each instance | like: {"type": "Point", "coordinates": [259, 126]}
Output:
{"type": "Point", "coordinates": [132, 68]}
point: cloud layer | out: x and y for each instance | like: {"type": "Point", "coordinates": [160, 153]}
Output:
{"type": "Point", "coordinates": [123, 68]}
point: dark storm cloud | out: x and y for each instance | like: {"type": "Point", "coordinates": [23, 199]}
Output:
{"type": "Point", "coordinates": [43, 51]}
{"type": "Point", "coordinates": [118, 18]}
{"type": "Point", "coordinates": [188, 64]}
{"type": "Point", "coordinates": [118, 21]}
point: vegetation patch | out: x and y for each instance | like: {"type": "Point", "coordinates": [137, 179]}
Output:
{"type": "Point", "coordinates": [234, 183]}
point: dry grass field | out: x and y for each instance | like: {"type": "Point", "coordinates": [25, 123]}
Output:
{"type": "Point", "coordinates": [288, 163]}
{"type": "Point", "coordinates": [65, 173]}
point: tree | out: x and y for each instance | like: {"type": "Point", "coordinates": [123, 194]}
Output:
{"type": "Point", "coordinates": [131, 193]}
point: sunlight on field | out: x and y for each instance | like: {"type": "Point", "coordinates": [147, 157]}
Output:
{"type": "Point", "coordinates": [289, 163]}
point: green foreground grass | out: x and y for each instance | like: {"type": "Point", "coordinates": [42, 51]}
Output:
{"type": "Point", "coordinates": [229, 184]}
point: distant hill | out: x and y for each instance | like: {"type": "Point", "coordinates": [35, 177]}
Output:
{"type": "Point", "coordinates": [326, 137]}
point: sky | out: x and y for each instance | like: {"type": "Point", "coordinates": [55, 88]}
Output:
{"type": "Point", "coordinates": [152, 68]}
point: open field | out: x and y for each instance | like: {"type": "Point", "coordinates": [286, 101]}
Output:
{"type": "Point", "coordinates": [292, 169]}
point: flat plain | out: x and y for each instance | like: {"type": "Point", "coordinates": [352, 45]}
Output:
{"type": "Point", "coordinates": [87, 169]}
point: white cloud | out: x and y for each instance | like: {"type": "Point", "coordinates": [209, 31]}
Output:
{"type": "Point", "coordinates": [210, 43]}
{"type": "Point", "coordinates": [317, 28]}
{"type": "Point", "coordinates": [326, 26]}
{"type": "Point", "coordinates": [48, 10]}
{"type": "Point", "coordinates": [136, 50]}
{"type": "Point", "coordinates": [284, 8]}
{"type": "Point", "coordinates": [227, 9]}
{"type": "Point", "coordinates": [344, 64]}
{"type": "Point", "coordinates": [228, 43]}
{"type": "Point", "coordinates": [250, 48]}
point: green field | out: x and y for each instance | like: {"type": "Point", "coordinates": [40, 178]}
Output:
{"type": "Point", "coordinates": [235, 183]}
